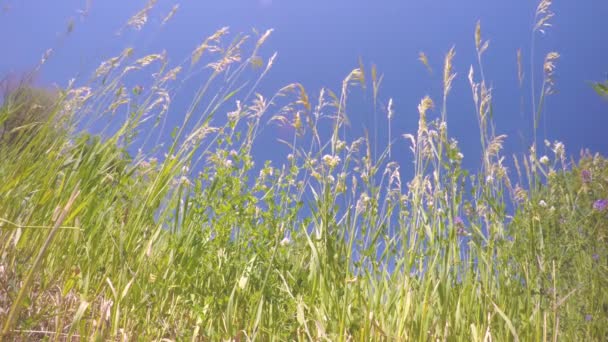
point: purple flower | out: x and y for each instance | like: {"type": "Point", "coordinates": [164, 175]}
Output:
{"type": "Point", "coordinates": [595, 257]}
{"type": "Point", "coordinates": [458, 222]}
{"type": "Point", "coordinates": [586, 176]}
{"type": "Point", "coordinates": [588, 318]}
{"type": "Point", "coordinates": [601, 204]}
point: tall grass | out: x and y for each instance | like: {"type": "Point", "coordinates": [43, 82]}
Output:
{"type": "Point", "coordinates": [196, 240]}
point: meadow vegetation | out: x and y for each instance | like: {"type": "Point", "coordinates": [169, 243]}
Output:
{"type": "Point", "coordinates": [196, 240]}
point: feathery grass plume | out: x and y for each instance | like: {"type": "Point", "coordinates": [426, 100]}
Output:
{"type": "Point", "coordinates": [482, 97]}
{"type": "Point", "coordinates": [423, 140]}
{"type": "Point", "coordinates": [425, 104]}
{"type": "Point", "coordinates": [376, 82]}
{"type": "Point", "coordinates": [412, 140]}
{"type": "Point", "coordinates": [543, 15]}
{"type": "Point", "coordinates": [486, 101]}
{"type": "Point", "coordinates": [141, 63]}
{"type": "Point", "coordinates": [140, 18]}
{"type": "Point", "coordinates": [121, 98]}
{"type": "Point", "coordinates": [425, 61]}
{"type": "Point", "coordinates": [493, 150]}
{"type": "Point", "coordinates": [547, 86]}
{"type": "Point", "coordinates": [448, 77]}
{"type": "Point", "coordinates": [147, 60]}
{"type": "Point", "coordinates": [355, 76]}
{"type": "Point", "coordinates": [170, 75]}
{"type": "Point", "coordinates": [210, 44]}
{"type": "Point", "coordinates": [107, 66]}
{"type": "Point", "coordinates": [549, 70]}
{"type": "Point", "coordinates": [170, 14]}
{"type": "Point", "coordinates": [163, 99]}
{"type": "Point", "coordinates": [263, 38]}
{"type": "Point", "coordinates": [303, 97]}
{"type": "Point", "coordinates": [480, 46]}
{"type": "Point", "coordinates": [256, 61]}
{"type": "Point", "coordinates": [232, 55]}
{"type": "Point", "coordinates": [270, 63]}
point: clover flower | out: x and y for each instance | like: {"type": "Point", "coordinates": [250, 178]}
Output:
{"type": "Point", "coordinates": [331, 161]}
{"type": "Point", "coordinates": [601, 204]}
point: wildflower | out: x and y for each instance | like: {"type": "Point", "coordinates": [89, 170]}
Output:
{"type": "Point", "coordinates": [542, 203]}
{"type": "Point", "coordinates": [560, 150]}
{"type": "Point", "coordinates": [586, 176]}
{"type": "Point", "coordinates": [588, 318]}
{"type": "Point", "coordinates": [601, 204]}
{"type": "Point", "coordinates": [185, 181]}
{"type": "Point", "coordinates": [285, 240]}
{"type": "Point", "coordinates": [331, 161]}
{"type": "Point", "coordinates": [459, 224]}
{"type": "Point", "coordinates": [544, 160]}
{"type": "Point", "coordinates": [595, 257]}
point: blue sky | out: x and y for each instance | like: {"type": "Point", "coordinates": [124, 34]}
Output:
{"type": "Point", "coordinates": [319, 42]}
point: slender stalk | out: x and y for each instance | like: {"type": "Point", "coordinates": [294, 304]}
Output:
{"type": "Point", "coordinates": [16, 306]}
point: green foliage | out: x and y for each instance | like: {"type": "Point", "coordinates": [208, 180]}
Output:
{"type": "Point", "coordinates": [559, 247]}
{"type": "Point", "coordinates": [205, 243]}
